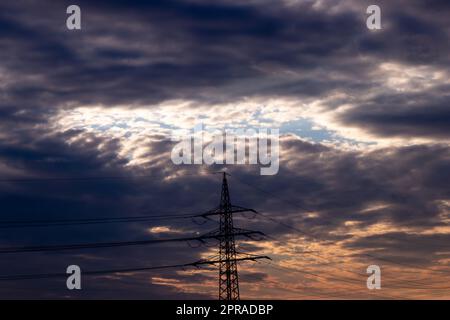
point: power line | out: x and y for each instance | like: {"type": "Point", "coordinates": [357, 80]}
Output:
{"type": "Point", "coordinates": [366, 254]}
{"type": "Point", "coordinates": [360, 254]}
{"type": "Point", "coordinates": [315, 237]}
{"type": "Point", "coordinates": [125, 270]}
{"type": "Point", "coordinates": [409, 282]}
{"type": "Point", "coordinates": [58, 179]}
{"type": "Point", "coordinates": [120, 244]}
{"type": "Point", "coordinates": [347, 280]}
{"type": "Point", "coordinates": [89, 178]}
{"type": "Point", "coordinates": [4, 224]}
{"type": "Point", "coordinates": [99, 272]}
{"type": "Point", "coordinates": [406, 284]}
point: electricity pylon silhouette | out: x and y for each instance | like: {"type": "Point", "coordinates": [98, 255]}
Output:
{"type": "Point", "coordinates": [228, 273]}
{"type": "Point", "coordinates": [227, 259]}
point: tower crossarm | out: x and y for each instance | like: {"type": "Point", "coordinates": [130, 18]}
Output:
{"type": "Point", "coordinates": [233, 209]}
{"type": "Point", "coordinates": [251, 258]}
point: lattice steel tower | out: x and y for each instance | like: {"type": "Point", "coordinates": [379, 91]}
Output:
{"type": "Point", "coordinates": [228, 257]}
{"type": "Point", "coordinates": [228, 273]}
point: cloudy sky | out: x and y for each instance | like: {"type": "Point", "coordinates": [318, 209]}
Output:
{"type": "Point", "coordinates": [86, 119]}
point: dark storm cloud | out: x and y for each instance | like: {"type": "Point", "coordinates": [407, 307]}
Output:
{"type": "Point", "coordinates": [328, 179]}
{"type": "Point", "coordinates": [410, 248]}
{"type": "Point", "coordinates": [132, 53]}
{"type": "Point", "coordinates": [417, 40]}
{"type": "Point", "coordinates": [404, 115]}
{"type": "Point", "coordinates": [185, 50]}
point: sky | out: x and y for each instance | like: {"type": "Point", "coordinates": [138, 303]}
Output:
{"type": "Point", "coordinates": [87, 119]}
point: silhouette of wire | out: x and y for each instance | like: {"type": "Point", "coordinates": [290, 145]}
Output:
{"type": "Point", "coordinates": [98, 220]}
{"type": "Point", "coordinates": [327, 278]}
{"type": "Point", "coordinates": [114, 244]}
{"type": "Point", "coordinates": [99, 272]}
{"type": "Point", "coordinates": [338, 265]}
{"type": "Point", "coordinates": [118, 271]}
{"type": "Point", "coordinates": [356, 254]}
{"type": "Point", "coordinates": [315, 237]}
{"type": "Point", "coordinates": [88, 178]}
